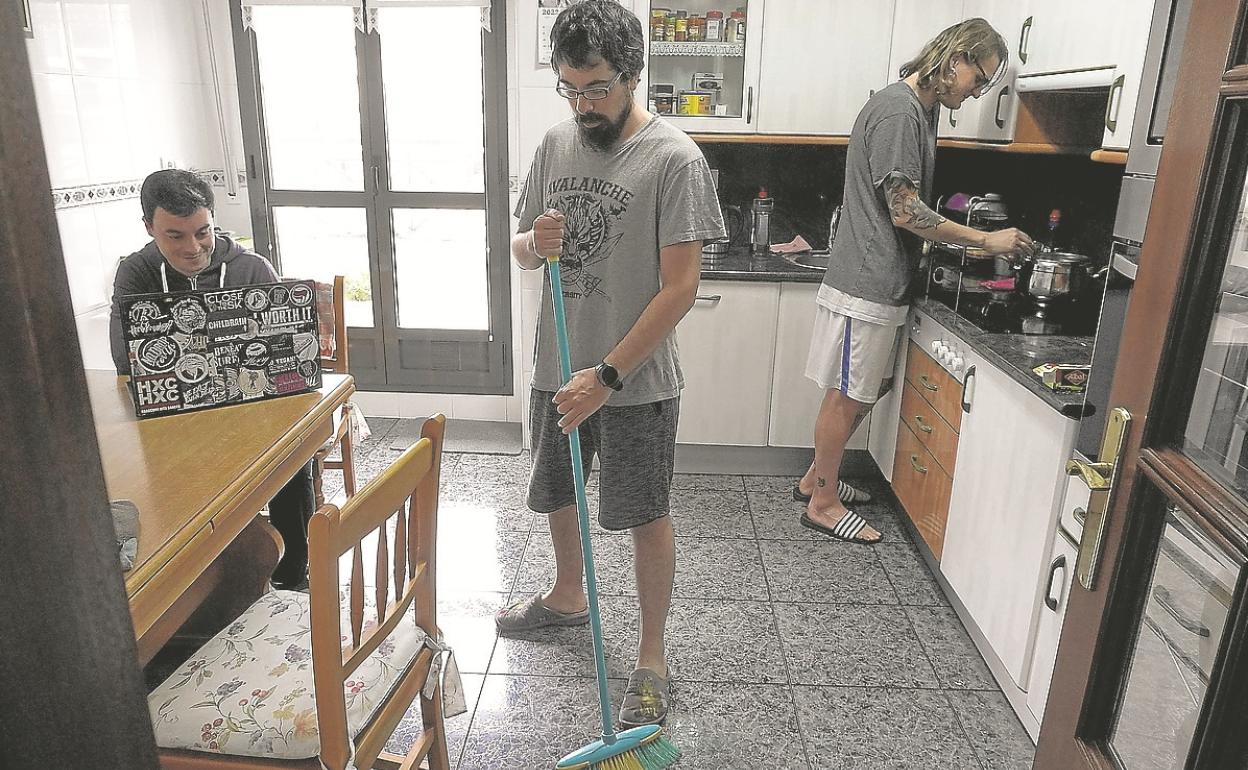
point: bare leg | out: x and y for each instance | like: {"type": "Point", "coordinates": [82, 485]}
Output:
{"type": "Point", "coordinates": [837, 417]}
{"type": "Point", "coordinates": [807, 482]}
{"type": "Point", "coordinates": [568, 593]}
{"type": "Point", "coordinates": [654, 563]}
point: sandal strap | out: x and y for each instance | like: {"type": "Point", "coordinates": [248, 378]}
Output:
{"type": "Point", "coordinates": [850, 525]}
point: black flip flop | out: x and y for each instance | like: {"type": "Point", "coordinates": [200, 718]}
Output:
{"type": "Point", "coordinates": [846, 530]}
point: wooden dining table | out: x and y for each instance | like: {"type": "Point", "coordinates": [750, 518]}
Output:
{"type": "Point", "coordinates": [199, 480]}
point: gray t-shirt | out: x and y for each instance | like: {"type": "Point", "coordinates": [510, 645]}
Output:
{"type": "Point", "coordinates": [871, 257]}
{"type": "Point", "coordinates": [621, 207]}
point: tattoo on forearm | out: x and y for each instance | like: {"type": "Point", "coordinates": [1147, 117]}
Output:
{"type": "Point", "coordinates": [905, 206]}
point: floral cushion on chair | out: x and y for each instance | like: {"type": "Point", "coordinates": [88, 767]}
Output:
{"type": "Point", "coordinates": [249, 690]}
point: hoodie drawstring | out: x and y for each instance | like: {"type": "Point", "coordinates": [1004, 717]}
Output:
{"type": "Point", "coordinates": [194, 279]}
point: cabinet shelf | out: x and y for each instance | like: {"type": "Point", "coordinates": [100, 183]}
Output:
{"type": "Point", "coordinates": [733, 50]}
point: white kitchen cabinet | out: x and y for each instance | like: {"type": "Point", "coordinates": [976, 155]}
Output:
{"type": "Point", "coordinates": [1060, 577]}
{"type": "Point", "coordinates": [795, 399]}
{"type": "Point", "coordinates": [725, 344]}
{"type": "Point", "coordinates": [886, 415]}
{"type": "Point", "coordinates": [1006, 493]}
{"type": "Point", "coordinates": [992, 116]}
{"type": "Point", "coordinates": [822, 60]}
{"type": "Point", "coordinates": [915, 22]}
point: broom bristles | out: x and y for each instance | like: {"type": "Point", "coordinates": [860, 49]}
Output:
{"type": "Point", "coordinates": [657, 754]}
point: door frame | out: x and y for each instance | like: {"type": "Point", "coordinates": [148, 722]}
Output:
{"type": "Point", "coordinates": [1159, 357]}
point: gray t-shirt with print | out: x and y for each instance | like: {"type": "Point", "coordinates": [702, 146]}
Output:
{"type": "Point", "coordinates": [871, 257]}
{"type": "Point", "coordinates": [621, 207]}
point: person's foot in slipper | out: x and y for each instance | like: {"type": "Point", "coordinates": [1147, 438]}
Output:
{"type": "Point", "coordinates": [844, 492]}
{"type": "Point", "coordinates": [847, 526]}
{"type": "Point", "coordinates": [646, 699]}
{"type": "Point", "coordinates": [532, 613]}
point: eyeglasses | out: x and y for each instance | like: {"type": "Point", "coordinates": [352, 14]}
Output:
{"type": "Point", "coordinates": [983, 78]}
{"type": "Point", "coordinates": [591, 94]}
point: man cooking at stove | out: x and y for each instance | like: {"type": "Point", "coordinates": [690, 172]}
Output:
{"type": "Point", "coordinates": [864, 299]}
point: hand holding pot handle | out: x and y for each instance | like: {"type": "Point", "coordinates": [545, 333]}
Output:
{"type": "Point", "coordinates": [1010, 241]}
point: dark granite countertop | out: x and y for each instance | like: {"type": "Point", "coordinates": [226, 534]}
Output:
{"type": "Point", "coordinates": [739, 265]}
{"type": "Point", "coordinates": [1017, 354]}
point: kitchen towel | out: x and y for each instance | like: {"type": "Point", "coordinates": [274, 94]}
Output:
{"type": "Point", "coordinates": [792, 247]}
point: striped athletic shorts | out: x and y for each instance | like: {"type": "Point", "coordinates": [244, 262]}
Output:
{"type": "Point", "coordinates": [853, 356]}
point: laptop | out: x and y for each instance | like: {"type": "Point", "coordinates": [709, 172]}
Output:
{"type": "Point", "coordinates": [200, 349]}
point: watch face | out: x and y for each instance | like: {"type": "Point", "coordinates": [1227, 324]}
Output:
{"type": "Point", "coordinates": [608, 375]}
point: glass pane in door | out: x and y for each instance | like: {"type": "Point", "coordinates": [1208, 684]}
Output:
{"type": "Point", "coordinates": [697, 58]}
{"type": "Point", "coordinates": [322, 242]}
{"type": "Point", "coordinates": [440, 269]}
{"type": "Point", "coordinates": [435, 115]}
{"type": "Point", "coordinates": [1189, 597]}
{"type": "Point", "coordinates": [310, 96]}
{"type": "Point", "coordinates": [1217, 428]}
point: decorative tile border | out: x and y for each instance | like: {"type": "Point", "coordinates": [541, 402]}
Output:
{"type": "Point", "coordinates": [85, 195]}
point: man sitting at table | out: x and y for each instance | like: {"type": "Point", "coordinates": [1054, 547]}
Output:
{"type": "Point", "coordinates": [187, 252]}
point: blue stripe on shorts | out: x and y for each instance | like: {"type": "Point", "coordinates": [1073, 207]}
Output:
{"type": "Point", "coordinates": [845, 356]}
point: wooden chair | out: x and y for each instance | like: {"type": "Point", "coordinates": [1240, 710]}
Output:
{"type": "Point", "coordinates": [334, 358]}
{"type": "Point", "coordinates": [242, 701]}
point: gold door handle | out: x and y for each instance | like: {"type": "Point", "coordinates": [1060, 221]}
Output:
{"type": "Point", "coordinates": [925, 382]}
{"type": "Point", "coordinates": [1100, 478]}
{"type": "Point", "coordinates": [1095, 475]}
{"type": "Point", "coordinates": [914, 463]}
{"type": "Point", "coordinates": [922, 424]}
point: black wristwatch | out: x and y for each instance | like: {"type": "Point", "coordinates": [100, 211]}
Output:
{"type": "Point", "coordinates": [609, 376]}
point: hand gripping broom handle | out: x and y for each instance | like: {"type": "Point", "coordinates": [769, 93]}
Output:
{"type": "Point", "coordinates": [582, 507]}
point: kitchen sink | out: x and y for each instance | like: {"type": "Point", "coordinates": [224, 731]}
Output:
{"type": "Point", "coordinates": [814, 260]}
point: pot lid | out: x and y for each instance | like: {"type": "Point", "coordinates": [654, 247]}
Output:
{"type": "Point", "coordinates": [1064, 257]}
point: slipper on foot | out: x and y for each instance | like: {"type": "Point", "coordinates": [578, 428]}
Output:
{"type": "Point", "coordinates": [844, 492]}
{"type": "Point", "coordinates": [530, 615]}
{"type": "Point", "coordinates": [645, 699]}
{"type": "Point", "coordinates": [848, 529]}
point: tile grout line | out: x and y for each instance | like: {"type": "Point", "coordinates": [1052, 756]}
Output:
{"type": "Point", "coordinates": [979, 755]}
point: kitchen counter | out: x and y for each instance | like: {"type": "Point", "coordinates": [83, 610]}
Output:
{"type": "Point", "coordinates": [1017, 354]}
{"type": "Point", "coordinates": [739, 265]}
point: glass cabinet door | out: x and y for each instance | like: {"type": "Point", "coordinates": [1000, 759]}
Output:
{"type": "Point", "coordinates": [702, 64]}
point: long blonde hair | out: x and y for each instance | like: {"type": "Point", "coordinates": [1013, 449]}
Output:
{"type": "Point", "coordinates": [974, 38]}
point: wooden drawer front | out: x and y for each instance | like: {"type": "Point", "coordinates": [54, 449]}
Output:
{"type": "Point", "coordinates": [929, 428]}
{"type": "Point", "coordinates": [935, 385]}
{"type": "Point", "coordinates": [923, 488]}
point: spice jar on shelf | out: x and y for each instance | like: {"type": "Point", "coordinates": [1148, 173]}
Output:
{"type": "Point", "coordinates": [682, 26]}
{"type": "Point", "coordinates": [697, 29]}
{"type": "Point", "coordinates": [658, 24]}
{"type": "Point", "coordinates": [714, 26]}
{"type": "Point", "coordinates": [736, 27]}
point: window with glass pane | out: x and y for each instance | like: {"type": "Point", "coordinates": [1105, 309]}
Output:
{"type": "Point", "coordinates": [1217, 429]}
{"type": "Point", "coordinates": [311, 97]}
{"type": "Point", "coordinates": [440, 269]}
{"type": "Point", "coordinates": [432, 69]}
{"type": "Point", "coordinates": [1189, 599]}
{"type": "Point", "coordinates": [320, 243]}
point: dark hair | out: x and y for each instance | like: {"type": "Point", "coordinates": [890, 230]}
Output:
{"type": "Point", "coordinates": [598, 28]}
{"type": "Point", "coordinates": [179, 192]}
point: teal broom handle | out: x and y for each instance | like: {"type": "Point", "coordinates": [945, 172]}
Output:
{"type": "Point", "coordinates": [582, 506]}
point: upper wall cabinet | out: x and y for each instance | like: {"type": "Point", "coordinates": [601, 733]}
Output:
{"type": "Point", "coordinates": [822, 60]}
{"type": "Point", "coordinates": [915, 22]}
{"type": "Point", "coordinates": [703, 62]}
{"type": "Point", "coordinates": [991, 117]}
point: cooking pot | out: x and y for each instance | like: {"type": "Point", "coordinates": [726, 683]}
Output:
{"type": "Point", "coordinates": [1056, 274]}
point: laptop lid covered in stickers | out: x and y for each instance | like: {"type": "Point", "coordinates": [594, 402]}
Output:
{"type": "Point", "coordinates": [199, 349]}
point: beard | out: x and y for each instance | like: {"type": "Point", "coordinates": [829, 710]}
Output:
{"type": "Point", "coordinates": [600, 132]}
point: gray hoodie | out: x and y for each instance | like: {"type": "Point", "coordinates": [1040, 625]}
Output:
{"type": "Point", "coordinates": [146, 272]}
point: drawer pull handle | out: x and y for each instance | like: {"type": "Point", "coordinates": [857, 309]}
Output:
{"type": "Point", "coordinates": [927, 383]}
{"type": "Point", "coordinates": [914, 463]}
{"type": "Point", "coordinates": [923, 424]}
{"type": "Point", "coordinates": [708, 298]}
{"type": "Point", "coordinates": [1058, 563]}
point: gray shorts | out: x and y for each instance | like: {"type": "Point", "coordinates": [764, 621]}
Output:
{"type": "Point", "coordinates": [635, 445]}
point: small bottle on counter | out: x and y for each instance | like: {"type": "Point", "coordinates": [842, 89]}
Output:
{"type": "Point", "coordinates": [760, 228]}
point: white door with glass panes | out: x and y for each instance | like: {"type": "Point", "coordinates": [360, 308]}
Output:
{"type": "Point", "coordinates": [367, 157]}
{"type": "Point", "coordinates": [704, 85]}
{"type": "Point", "coordinates": [803, 93]}
{"type": "Point", "coordinates": [992, 116]}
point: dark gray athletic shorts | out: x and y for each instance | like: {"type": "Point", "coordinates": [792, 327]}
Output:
{"type": "Point", "coordinates": [635, 447]}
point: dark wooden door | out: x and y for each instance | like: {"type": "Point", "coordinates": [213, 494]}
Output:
{"type": "Point", "coordinates": [1153, 665]}
{"type": "Point", "coordinates": [71, 693]}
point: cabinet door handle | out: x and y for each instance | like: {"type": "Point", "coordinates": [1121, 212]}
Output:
{"type": "Point", "coordinates": [712, 298]}
{"type": "Point", "coordinates": [1058, 563]}
{"type": "Point", "coordinates": [927, 383]}
{"type": "Point", "coordinates": [923, 425]}
{"type": "Point", "coordinates": [1113, 106]}
{"type": "Point", "coordinates": [966, 383]}
{"type": "Point", "coordinates": [749, 105]}
{"type": "Point", "coordinates": [1024, 39]}
{"type": "Point", "coordinates": [952, 120]}
{"type": "Point", "coordinates": [996, 116]}
{"type": "Point", "coordinates": [914, 463]}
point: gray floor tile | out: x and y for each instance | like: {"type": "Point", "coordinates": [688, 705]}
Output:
{"type": "Point", "coordinates": [911, 578]}
{"type": "Point", "coordinates": [379, 429]}
{"type": "Point", "coordinates": [501, 470]}
{"type": "Point", "coordinates": [568, 651]}
{"type": "Point", "coordinates": [494, 506]}
{"type": "Point", "coordinates": [478, 561]}
{"type": "Point", "coordinates": [719, 513]}
{"type": "Point", "coordinates": [734, 727]}
{"type": "Point", "coordinates": [467, 622]}
{"type": "Point", "coordinates": [778, 485]}
{"type": "Point", "coordinates": [409, 729]}
{"type": "Point", "coordinates": [719, 568]}
{"type": "Point", "coordinates": [995, 733]}
{"type": "Point", "coordinates": [831, 571]}
{"type": "Point", "coordinates": [613, 564]}
{"type": "Point", "coordinates": [958, 664]}
{"type": "Point", "coordinates": [703, 482]}
{"type": "Point", "coordinates": [855, 645]}
{"type": "Point", "coordinates": [525, 722]}
{"type": "Point", "coordinates": [858, 727]}
{"type": "Point", "coordinates": [711, 640]}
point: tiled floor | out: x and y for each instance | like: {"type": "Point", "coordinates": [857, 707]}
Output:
{"type": "Point", "coordinates": [787, 650]}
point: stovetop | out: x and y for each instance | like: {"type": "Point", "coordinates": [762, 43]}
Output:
{"type": "Point", "coordinates": [1020, 314]}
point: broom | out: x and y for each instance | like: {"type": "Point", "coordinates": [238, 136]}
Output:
{"type": "Point", "coordinates": [638, 748]}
